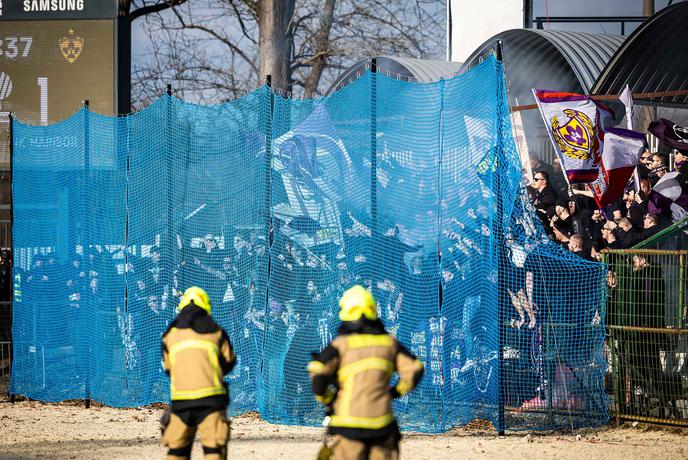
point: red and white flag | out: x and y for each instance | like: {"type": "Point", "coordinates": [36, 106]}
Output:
{"type": "Point", "coordinates": [620, 154]}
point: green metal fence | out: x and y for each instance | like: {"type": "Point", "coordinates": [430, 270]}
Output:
{"type": "Point", "coordinates": [647, 336]}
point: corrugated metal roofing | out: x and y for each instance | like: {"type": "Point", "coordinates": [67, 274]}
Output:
{"type": "Point", "coordinates": [532, 55]}
{"type": "Point", "coordinates": [654, 58]}
{"type": "Point", "coordinates": [421, 70]}
{"type": "Point", "coordinates": [587, 54]}
{"type": "Point", "coordinates": [562, 61]}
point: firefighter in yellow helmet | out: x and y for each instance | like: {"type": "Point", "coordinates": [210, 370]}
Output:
{"type": "Point", "coordinates": [351, 376]}
{"type": "Point", "coordinates": [197, 355]}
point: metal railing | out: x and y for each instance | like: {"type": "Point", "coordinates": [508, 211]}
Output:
{"type": "Point", "coordinates": [5, 349]}
{"type": "Point", "coordinates": [647, 335]}
{"type": "Point", "coordinates": [621, 20]}
{"type": "Point", "coordinates": [5, 233]}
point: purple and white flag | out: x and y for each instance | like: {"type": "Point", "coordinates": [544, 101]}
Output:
{"type": "Point", "coordinates": [626, 98]}
{"type": "Point", "coordinates": [670, 133]}
{"type": "Point", "coordinates": [575, 124]}
{"type": "Point", "coordinates": [668, 197]}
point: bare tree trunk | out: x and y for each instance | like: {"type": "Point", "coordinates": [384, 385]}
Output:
{"type": "Point", "coordinates": [648, 7]}
{"type": "Point", "coordinates": [322, 48]}
{"type": "Point", "coordinates": [123, 7]}
{"type": "Point", "coordinates": [276, 40]}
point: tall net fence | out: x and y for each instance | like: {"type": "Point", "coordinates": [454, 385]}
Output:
{"type": "Point", "coordinates": [275, 206]}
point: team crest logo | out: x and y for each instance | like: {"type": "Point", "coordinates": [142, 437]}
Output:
{"type": "Point", "coordinates": [71, 47]}
{"type": "Point", "coordinates": [575, 137]}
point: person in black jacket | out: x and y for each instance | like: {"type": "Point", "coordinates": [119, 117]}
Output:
{"type": "Point", "coordinates": [577, 246]}
{"type": "Point", "coordinates": [544, 196]}
{"type": "Point", "coordinates": [651, 226]}
{"type": "Point", "coordinates": [610, 240]}
{"type": "Point", "coordinates": [625, 233]}
{"type": "Point", "coordinates": [635, 208]}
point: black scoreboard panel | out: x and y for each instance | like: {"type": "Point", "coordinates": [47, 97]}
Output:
{"type": "Point", "coordinates": [53, 55]}
{"type": "Point", "coordinates": [58, 9]}
{"type": "Point", "coordinates": [48, 67]}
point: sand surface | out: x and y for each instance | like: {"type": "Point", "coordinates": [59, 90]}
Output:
{"type": "Point", "coordinates": [30, 430]}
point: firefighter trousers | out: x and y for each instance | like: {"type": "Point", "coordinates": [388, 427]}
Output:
{"type": "Point", "coordinates": [344, 448]}
{"type": "Point", "coordinates": [213, 430]}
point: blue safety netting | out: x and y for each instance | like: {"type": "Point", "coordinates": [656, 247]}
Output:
{"type": "Point", "coordinates": [275, 206]}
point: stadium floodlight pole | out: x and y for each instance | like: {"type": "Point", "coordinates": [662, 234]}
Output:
{"type": "Point", "coordinates": [11, 117]}
{"type": "Point", "coordinates": [501, 260]}
{"type": "Point", "coordinates": [87, 231]}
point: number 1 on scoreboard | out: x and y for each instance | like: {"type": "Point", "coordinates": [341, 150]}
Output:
{"type": "Point", "coordinates": [43, 85]}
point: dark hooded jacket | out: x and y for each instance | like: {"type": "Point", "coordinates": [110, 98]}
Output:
{"type": "Point", "coordinates": [197, 355]}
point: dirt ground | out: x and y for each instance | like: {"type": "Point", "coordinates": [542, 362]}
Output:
{"type": "Point", "coordinates": [31, 430]}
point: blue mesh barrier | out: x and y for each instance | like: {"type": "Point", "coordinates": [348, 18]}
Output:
{"type": "Point", "coordinates": [275, 206]}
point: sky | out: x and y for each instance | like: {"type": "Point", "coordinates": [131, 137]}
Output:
{"type": "Point", "coordinates": [140, 41]}
{"type": "Point", "coordinates": [593, 8]}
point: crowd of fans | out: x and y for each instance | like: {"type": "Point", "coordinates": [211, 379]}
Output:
{"type": "Point", "coordinates": [232, 269]}
{"type": "Point", "coordinates": [650, 363]}
{"type": "Point", "coordinates": [572, 218]}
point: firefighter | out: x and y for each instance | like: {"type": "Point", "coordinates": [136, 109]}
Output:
{"type": "Point", "coordinates": [351, 376]}
{"type": "Point", "coordinates": [196, 355]}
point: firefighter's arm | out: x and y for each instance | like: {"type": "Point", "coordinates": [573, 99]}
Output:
{"type": "Point", "coordinates": [410, 371]}
{"type": "Point", "coordinates": [227, 356]}
{"type": "Point", "coordinates": [322, 371]}
{"type": "Point", "coordinates": [165, 357]}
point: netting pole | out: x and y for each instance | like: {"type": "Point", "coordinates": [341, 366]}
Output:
{"type": "Point", "coordinates": [268, 162]}
{"type": "Point", "coordinates": [170, 242]}
{"type": "Point", "coordinates": [373, 166]}
{"type": "Point", "coordinates": [440, 194]}
{"type": "Point", "coordinates": [87, 231]}
{"type": "Point", "coordinates": [11, 139]}
{"type": "Point", "coordinates": [268, 222]}
{"type": "Point", "coordinates": [681, 290]}
{"type": "Point", "coordinates": [501, 260]}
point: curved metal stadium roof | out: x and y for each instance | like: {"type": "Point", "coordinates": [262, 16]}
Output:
{"type": "Point", "coordinates": [562, 61]}
{"type": "Point", "coordinates": [565, 61]}
{"type": "Point", "coordinates": [654, 58]}
{"type": "Point", "coordinates": [421, 70]}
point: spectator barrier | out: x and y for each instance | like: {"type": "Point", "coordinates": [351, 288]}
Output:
{"type": "Point", "coordinates": [275, 206]}
{"type": "Point", "coordinates": [647, 334]}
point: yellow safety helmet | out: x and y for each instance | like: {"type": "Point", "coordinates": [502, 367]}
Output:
{"type": "Point", "coordinates": [355, 303]}
{"type": "Point", "coordinates": [196, 295]}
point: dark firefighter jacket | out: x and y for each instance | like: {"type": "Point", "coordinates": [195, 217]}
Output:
{"type": "Point", "coordinates": [360, 362]}
{"type": "Point", "coordinates": [197, 355]}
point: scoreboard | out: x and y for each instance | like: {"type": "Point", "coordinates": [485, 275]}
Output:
{"type": "Point", "coordinates": [56, 53]}
{"type": "Point", "coordinates": [53, 55]}
{"type": "Point", "coordinates": [46, 71]}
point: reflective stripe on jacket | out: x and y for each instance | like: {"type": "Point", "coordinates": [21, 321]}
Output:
{"type": "Point", "coordinates": [197, 356]}
{"type": "Point", "coordinates": [361, 365]}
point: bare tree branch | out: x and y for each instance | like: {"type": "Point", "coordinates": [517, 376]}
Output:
{"type": "Point", "coordinates": [222, 39]}
{"type": "Point", "coordinates": [146, 8]}
{"type": "Point", "coordinates": [215, 50]}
